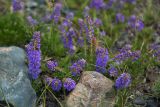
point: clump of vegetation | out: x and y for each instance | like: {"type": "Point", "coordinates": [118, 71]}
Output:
{"type": "Point", "coordinates": [109, 37]}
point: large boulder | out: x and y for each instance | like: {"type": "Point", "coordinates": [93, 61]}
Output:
{"type": "Point", "coordinates": [91, 91]}
{"type": "Point", "coordinates": [15, 86]}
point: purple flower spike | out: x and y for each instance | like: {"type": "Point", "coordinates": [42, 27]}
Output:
{"type": "Point", "coordinates": [102, 57]}
{"type": "Point", "coordinates": [113, 72]}
{"type": "Point", "coordinates": [56, 84]}
{"type": "Point", "coordinates": [139, 25]}
{"type": "Point", "coordinates": [51, 65]}
{"type": "Point", "coordinates": [70, 16]}
{"type": "Point", "coordinates": [17, 5]}
{"type": "Point", "coordinates": [34, 56]}
{"type": "Point", "coordinates": [77, 67]}
{"type": "Point", "coordinates": [123, 81]}
{"type": "Point", "coordinates": [80, 42]}
{"type": "Point", "coordinates": [81, 62]}
{"type": "Point", "coordinates": [135, 23]}
{"type": "Point", "coordinates": [56, 12]}
{"type": "Point", "coordinates": [126, 53]}
{"type": "Point", "coordinates": [69, 84]}
{"type": "Point", "coordinates": [120, 17]}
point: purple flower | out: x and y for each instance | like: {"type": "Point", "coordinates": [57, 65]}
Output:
{"type": "Point", "coordinates": [69, 84]}
{"type": "Point", "coordinates": [32, 21]}
{"type": "Point", "coordinates": [113, 72]}
{"type": "Point", "coordinates": [135, 55]}
{"type": "Point", "coordinates": [67, 22]}
{"type": "Point", "coordinates": [97, 4]}
{"type": "Point", "coordinates": [81, 23]}
{"type": "Point", "coordinates": [72, 50]}
{"type": "Point", "coordinates": [67, 38]}
{"type": "Point", "coordinates": [120, 17]}
{"type": "Point", "coordinates": [89, 28]}
{"type": "Point", "coordinates": [51, 65]}
{"type": "Point", "coordinates": [139, 25]}
{"type": "Point", "coordinates": [123, 81]}
{"type": "Point", "coordinates": [77, 67]}
{"type": "Point", "coordinates": [126, 53]}
{"type": "Point", "coordinates": [80, 41]}
{"type": "Point", "coordinates": [17, 5]}
{"type": "Point", "coordinates": [70, 16]}
{"type": "Point", "coordinates": [82, 26]}
{"type": "Point", "coordinates": [126, 48]}
{"type": "Point", "coordinates": [81, 62]}
{"type": "Point", "coordinates": [102, 57]}
{"type": "Point", "coordinates": [56, 12]}
{"type": "Point", "coordinates": [71, 32]}
{"type": "Point", "coordinates": [56, 84]}
{"type": "Point", "coordinates": [34, 56]}
{"type": "Point", "coordinates": [135, 23]}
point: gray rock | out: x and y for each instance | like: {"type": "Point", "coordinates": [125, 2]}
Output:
{"type": "Point", "coordinates": [15, 86]}
{"type": "Point", "coordinates": [151, 102]}
{"type": "Point", "coordinates": [91, 91]}
{"type": "Point", "coordinates": [139, 101]}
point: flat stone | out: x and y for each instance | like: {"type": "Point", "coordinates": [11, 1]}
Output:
{"type": "Point", "coordinates": [91, 91]}
{"type": "Point", "coordinates": [15, 86]}
{"type": "Point", "coordinates": [139, 101]}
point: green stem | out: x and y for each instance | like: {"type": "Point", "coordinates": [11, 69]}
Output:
{"type": "Point", "coordinates": [46, 87]}
{"type": "Point", "coordinates": [55, 98]}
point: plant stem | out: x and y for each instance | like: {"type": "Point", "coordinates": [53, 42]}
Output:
{"type": "Point", "coordinates": [55, 98]}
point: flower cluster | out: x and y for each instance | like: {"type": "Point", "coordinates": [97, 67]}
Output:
{"type": "Point", "coordinates": [69, 84]}
{"type": "Point", "coordinates": [56, 12]}
{"type": "Point", "coordinates": [113, 72]}
{"type": "Point", "coordinates": [126, 53]}
{"type": "Point", "coordinates": [85, 34]}
{"type": "Point", "coordinates": [131, 1]}
{"type": "Point", "coordinates": [123, 81]}
{"type": "Point", "coordinates": [120, 17]}
{"type": "Point", "coordinates": [135, 24]}
{"type": "Point", "coordinates": [77, 67]}
{"type": "Point", "coordinates": [17, 5]}
{"type": "Point", "coordinates": [68, 33]}
{"type": "Point", "coordinates": [89, 28]}
{"type": "Point", "coordinates": [68, 20]}
{"type": "Point", "coordinates": [56, 84]}
{"type": "Point", "coordinates": [51, 65]}
{"type": "Point", "coordinates": [102, 57]}
{"type": "Point", "coordinates": [97, 4]}
{"type": "Point", "coordinates": [34, 55]}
